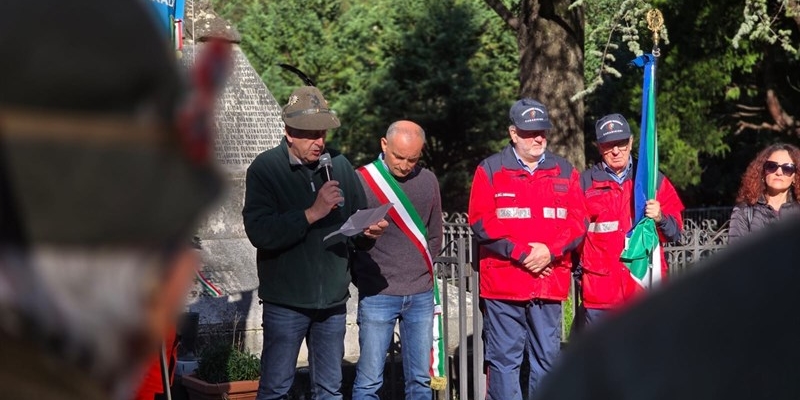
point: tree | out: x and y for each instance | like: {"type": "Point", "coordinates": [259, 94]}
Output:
{"type": "Point", "coordinates": [439, 63]}
{"type": "Point", "coordinates": [550, 37]}
{"type": "Point", "coordinates": [777, 25]}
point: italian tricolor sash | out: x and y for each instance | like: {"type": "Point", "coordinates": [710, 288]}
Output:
{"type": "Point", "coordinates": [403, 213]}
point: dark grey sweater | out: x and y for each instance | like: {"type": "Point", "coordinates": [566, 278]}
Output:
{"type": "Point", "coordinates": [394, 266]}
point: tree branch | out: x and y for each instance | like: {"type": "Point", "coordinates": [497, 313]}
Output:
{"type": "Point", "coordinates": [510, 19]}
{"type": "Point", "coordinates": [782, 121]}
{"type": "Point", "coordinates": [742, 125]}
{"type": "Point", "coordinates": [779, 115]}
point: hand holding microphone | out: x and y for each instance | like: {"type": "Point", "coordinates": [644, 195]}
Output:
{"type": "Point", "coordinates": [326, 165]}
{"type": "Point", "coordinates": [329, 196]}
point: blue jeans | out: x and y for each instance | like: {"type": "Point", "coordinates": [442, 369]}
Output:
{"type": "Point", "coordinates": [377, 316]}
{"type": "Point", "coordinates": [511, 328]}
{"type": "Point", "coordinates": [284, 331]}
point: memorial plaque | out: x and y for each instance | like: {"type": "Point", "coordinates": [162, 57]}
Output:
{"type": "Point", "coordinates": [248, 119]}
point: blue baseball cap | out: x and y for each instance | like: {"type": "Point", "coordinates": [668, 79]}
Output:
{"type": "Point", "coordinates": [611, 128]}
{"type": "Point", "coordinates": [530, 115]}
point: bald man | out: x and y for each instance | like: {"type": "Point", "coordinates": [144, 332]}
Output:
{"type": "Point", "coordinates": [394, 278]}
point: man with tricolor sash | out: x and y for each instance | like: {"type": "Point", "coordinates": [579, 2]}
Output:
{"type": "Point", "coordinates": [395, 278]}
{"type": "Point", "coordinates": [521, 209]}
{"type": "Point", "coordinates": [608, 188]}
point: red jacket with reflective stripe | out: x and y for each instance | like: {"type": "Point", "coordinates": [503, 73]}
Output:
{"type": "Point", "coordinates": [606, 282]}
{"type": "Point", "coordinates": [509, 208]}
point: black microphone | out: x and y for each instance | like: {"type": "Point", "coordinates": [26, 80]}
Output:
{"type": "Point", "coordinates": [326, 165]}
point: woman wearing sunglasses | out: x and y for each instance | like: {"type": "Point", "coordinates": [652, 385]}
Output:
{"type": "Point", "coordinates": [770, 190]}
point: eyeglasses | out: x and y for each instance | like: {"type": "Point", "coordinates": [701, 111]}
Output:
{"type": "Point", "coordinates": [771, 167]}
{"type": "Point", "coordinates": [622, 145]}
{"type": "Point", "coordinates": [531, 134]}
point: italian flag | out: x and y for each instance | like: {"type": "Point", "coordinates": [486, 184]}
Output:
{"type": "Point", "coordinates": [642, 254]}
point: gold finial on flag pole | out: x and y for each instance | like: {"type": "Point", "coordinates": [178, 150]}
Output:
{"type": "Point", "coordinates": [655, 22]}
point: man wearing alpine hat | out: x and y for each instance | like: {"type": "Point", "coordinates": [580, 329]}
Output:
{"type": "Point", "coordinates": [289, 208]}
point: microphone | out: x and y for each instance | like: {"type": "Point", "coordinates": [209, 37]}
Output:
{"type": "Point", "coordinates": [326, 165]}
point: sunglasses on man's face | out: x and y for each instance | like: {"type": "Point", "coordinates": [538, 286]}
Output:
{"type": "Point", "coordinates": [771, 167]}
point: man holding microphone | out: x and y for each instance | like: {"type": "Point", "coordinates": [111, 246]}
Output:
{"type": "Point", "coordinates": [289, 208]}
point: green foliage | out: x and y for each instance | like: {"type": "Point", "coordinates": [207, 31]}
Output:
{"type": "Point", "coordinates": [712, 77]}
{"type": "Point", "coordinates": [452, 66]}
{"type": "Point", "coordinates": [609, 25]}
{"type": "Point", "coordinates": [437, 74]}
{"type": "Point", "coordinates": [224, 362]}
{"type": "Point", "coordinates": [449, 65]}
{"type": "Point", "coordinates": [762, 23]}
{"type": "Point", "coordinates": [695, 77]}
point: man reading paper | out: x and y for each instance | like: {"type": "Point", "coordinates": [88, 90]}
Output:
{"type": "Point", "coordinates": [395, 278]}
{"type": "Point", "coordinates": [303, 281]}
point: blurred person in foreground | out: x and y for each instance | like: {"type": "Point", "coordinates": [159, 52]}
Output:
{"type": "Point", "coordinates": [770, 190]}
{"type": "Point", "coordinates": [524, 210]}
{"type": "Point", "coordinates": [289, 208]}
{"type": "Point", "coordinates": [395, 278]}
{"type": "Point", "coordinates": [608, 190]}
{"type": "Point", "coordinates": [724, 331]}
{"type": "Point", "coordinates": [104, 172]}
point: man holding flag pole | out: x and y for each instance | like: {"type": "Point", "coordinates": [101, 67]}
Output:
{"type": "Point", "coordinates": [685, 341]}
{"type": "Point", "coordinates": [622, 193]}
{"type": "Point", "coordinates": [631, 208]}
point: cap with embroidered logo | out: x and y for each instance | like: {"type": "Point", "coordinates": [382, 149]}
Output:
{"type": "Point", "coordinates": [611, 128]}
{"type": "Point", "coordinates": [530, 115]}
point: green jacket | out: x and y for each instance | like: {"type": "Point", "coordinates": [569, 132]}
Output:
{"type": "Point", "coordinates": [295, 267]}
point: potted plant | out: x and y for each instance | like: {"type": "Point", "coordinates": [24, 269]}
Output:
{"type": "Point", "coordinates": [224, 371]}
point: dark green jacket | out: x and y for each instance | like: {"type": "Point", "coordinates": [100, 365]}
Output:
{"type": "Point", "coordinates": [295, 267]}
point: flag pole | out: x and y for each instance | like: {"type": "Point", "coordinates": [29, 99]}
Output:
{"type": "Point", "coordinates": [655, 23]}
{"type": "Point", "coordinates": [642, 254]}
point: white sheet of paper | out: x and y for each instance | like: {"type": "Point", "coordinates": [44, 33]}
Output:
{"type": "Point", "coordinates": [361, 220]}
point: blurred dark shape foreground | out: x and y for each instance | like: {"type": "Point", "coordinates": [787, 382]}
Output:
{"type": "Point", "coordinates": [103, 175]}
{"type": "Point", "coordinates": [727, 331]}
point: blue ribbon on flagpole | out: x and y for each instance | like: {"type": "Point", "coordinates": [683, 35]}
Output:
{"type": "Point", "coordinates": [643, 165]}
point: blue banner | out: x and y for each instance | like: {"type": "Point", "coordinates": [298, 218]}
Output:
{"type": "Point", "coordinates": [167, 12]}
{"type": "Point", "coordinates": [647, 163]}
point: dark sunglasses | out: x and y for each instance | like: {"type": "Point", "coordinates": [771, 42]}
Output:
{"type": "Point", "coordinates": [771, 166]}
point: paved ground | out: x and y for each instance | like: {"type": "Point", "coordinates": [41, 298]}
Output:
{"type": "Point", "coordinates": [301, 389]}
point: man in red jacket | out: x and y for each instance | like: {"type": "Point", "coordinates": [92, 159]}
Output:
{"type": "Point", "coordinates": [521, 211]}
{"type": "Point", "coordinates": [606, 282]}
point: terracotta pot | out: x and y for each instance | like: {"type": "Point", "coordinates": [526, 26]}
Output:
{"type": "Point", "coordinates": [202, 390]}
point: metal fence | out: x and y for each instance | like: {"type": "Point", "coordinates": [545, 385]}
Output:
{"type": "Point", "coordinates": [705, 231]}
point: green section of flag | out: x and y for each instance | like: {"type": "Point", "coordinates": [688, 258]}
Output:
{"type": "Point", "coordinates": [639, 253]}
